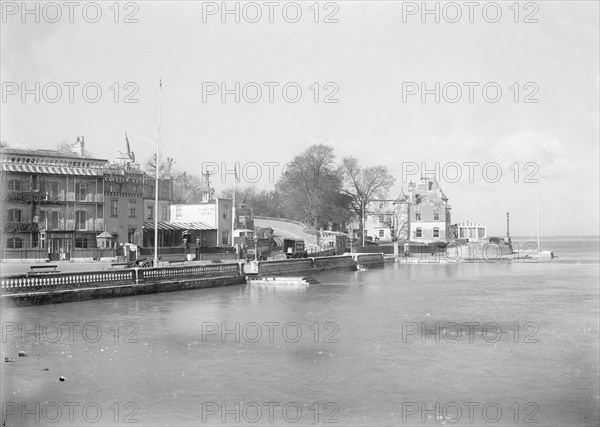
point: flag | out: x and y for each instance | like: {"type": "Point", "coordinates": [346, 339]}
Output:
{"type": "Point", "coordinates": [128, 147]}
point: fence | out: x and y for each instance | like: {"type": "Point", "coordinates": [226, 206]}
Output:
{"type": "Point", "coordinates": [24, 283]}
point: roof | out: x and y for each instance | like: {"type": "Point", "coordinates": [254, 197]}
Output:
{"type": "Point", "coordinates": [401, 197]}
{"type": "Point", "coordinates": [47, 153]}
{"type": "Point", "coordinates": [54, 170]}
{"type": "Point", "coordinates": [104, 235]}
{"type": "Point", "coordinates": [468, 224]}
{"type": "Point", "coordinates": [177, 225]}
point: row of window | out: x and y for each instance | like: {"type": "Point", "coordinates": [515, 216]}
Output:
{"type": "Point", "coordinates": [18, 243]}
{"type": "Point", "coordinates": [436, 216]}
{"type": "Point", "coordinates": [54, 162]}
{"type": "Point", "coordinates": [419, 232]}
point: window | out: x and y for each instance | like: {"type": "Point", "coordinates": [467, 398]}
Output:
{"type": "Point", "coordinates": [80, 220]}
{"type": "Point", "coordinates": [436, 232]}
{"type": "Point", "coordinates": [419, 232]}
{"type": "Point", "coordinates": [114, 204]}
{"type": "Point", "coordinates": [381, 218]}
{"type": "Point", "coordinates": [81, 191]}
{"type": "Point", "coordinates": [480, 232]}
{"type": "Point", "coordinates": [225, 238]}
{"type": "Point", "coordinates": [462, 233]}
{"type": "Point", "coordinates": [418, 216]}
{"type": "Point", "coordinates": [380, 205]}
{"type": "Point", "coordinates": [165, 213]}
{"type": "Point", "coordinates": [381, 233]}
{"type": "Point", "coordinates": [54, 220]}
{"type": "Point", "coordinates": [14, 185]}
{"type": "Point", "coordinates": [178, 213]}
{"type": "Point", "coordinates": [81, 242]}
{"type": "Point", "coordinates": [436, 216]}
{"type": "Point", "coordinates": [15, 215]}
{"type": "Point", "coordinates": [14, 243]}
{"type": "Point", "coordinates": [49, 187]}
{"type": "Point", "coordinates": [150, 212]}
{"type": "Point", "coordinates": [131, 208]}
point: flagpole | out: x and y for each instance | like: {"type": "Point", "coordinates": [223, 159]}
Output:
{"type": "Point", "coordinates": [233, 208]}
{"type": "Point", "coordinates": [156, 178]}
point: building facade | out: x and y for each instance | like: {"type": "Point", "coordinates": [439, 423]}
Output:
{"type": "Point", "coordinates": [215, 214]}
{"type": "Point", "coordinates": [51, 200]}
{"type": "Point", "coordinates": [124, 203]}
{"type": "Point", "coordinates": [424, 214]}
{"type": "Point", "coordinates": [421, 216]}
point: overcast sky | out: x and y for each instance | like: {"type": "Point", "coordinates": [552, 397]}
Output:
{"type": "Point", "coordinates": [372, 61]}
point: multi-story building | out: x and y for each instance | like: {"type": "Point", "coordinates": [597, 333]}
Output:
{"type": "Point", "coordinates": [51, 199]}
{"type": "Point", "coordinates": [124, 203]}
{"type": "Point", "coordinates": [421, 216]}
{"type": "Point", "coordinates": [424, 215]}
{"type": "Point", "coordinates": [379, 220]}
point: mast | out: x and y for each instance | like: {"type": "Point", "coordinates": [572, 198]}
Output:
{"type": "Point", "coordinates": [156, 177]}
{"type": "Point", "coordinates": [233, 206]}
{"type": "Point", "coordinates": [537, 205]}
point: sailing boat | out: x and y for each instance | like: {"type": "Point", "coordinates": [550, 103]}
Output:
{"type": "Point", "coordinates": [541, 255]}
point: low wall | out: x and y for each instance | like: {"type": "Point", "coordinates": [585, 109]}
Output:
{"type": "Point", "coordinates": [369, 260]}
{"type": "Point", "coordinates": [49, 288]}
{"type": "Point", "coordinates": [293, 267]}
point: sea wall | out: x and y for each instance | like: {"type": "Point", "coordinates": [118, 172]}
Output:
{"type": "Point", "coordinates": [294, 267]}
{"type": "Point", "coordinates": [51, 288]}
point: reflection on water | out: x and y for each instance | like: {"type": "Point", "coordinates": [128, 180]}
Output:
{"type": "Point", "coordinates": [359, 347]}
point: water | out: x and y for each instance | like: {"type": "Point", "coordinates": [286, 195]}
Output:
{"type": "Point", "coordinates": [532, 350]}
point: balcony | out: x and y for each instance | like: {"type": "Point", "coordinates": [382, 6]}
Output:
{"type": "Point", "coordinates": [71, 225]}
{"type": "Point", "coordinates": [20, 227]}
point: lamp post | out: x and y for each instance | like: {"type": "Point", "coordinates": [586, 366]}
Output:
{"type": "Point", "coordinates": [255, 247]}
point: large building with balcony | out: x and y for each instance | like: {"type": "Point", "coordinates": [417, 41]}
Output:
{"type": "Point", "coordinates": [51, 200]}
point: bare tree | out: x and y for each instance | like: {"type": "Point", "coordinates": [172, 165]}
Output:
{"type": "Point", "coordinates": [363, 184]}
{"type": "Point", "coordinates": [166, 169]}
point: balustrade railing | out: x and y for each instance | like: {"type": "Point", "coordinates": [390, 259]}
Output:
{"type": "Point", "coordinates": [43, 282]}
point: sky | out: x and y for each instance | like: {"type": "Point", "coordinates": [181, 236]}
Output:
{"type": "Point", "coordinates": [490, 99]}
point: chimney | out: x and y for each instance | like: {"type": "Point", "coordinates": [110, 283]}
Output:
{"type": "Point", "coordinates": [82, 145]}
{"type": "Point", "coordinates": [79, 147]}
{"type": "Point", "coordinates": [411, 192]}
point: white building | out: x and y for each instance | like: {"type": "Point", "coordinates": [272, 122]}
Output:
{"type": "Point", "coordinates": [214, 213]}
{"type": "Point", "coordinates": [471, 231]}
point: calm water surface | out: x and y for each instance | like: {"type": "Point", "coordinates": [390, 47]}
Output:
{"type": "Point", "coordinates": [362, 357]}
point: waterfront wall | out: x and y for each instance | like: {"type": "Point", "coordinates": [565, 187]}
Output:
{"type": "Point", "coordinates": [26, 289]}
{"type": "Point", "coordinates": [35, 289]}
{"type": "Point", "coordinates": [294, 267]}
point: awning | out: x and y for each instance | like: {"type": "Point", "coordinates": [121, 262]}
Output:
{"type": "Point", "coordinates": [163, 225]}
{"type": "Point", "coordinates": [55, 170]}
